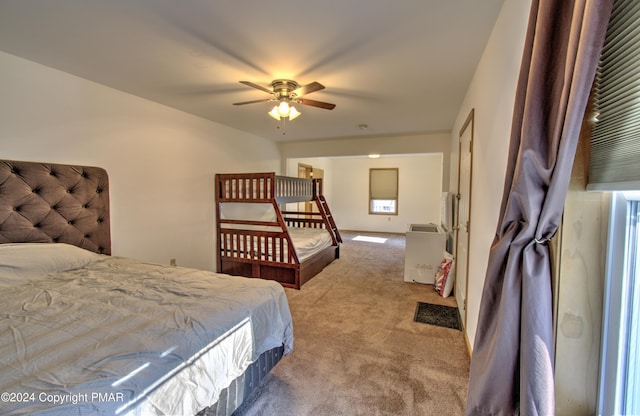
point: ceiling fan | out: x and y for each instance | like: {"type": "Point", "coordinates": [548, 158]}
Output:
{"type": "Point", "coordinates": [287, 92]}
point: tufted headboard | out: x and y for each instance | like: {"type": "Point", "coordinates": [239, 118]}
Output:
{"type": "Point", "coordinates": [53, 203]}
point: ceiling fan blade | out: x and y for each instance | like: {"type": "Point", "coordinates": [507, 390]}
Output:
{"type": "Point", "coordinates": [314, 103]}
{"type": "Point", "coordinates": [307, 89]}
{"type": "Point", "coordinates": [254, 101]}
{"type": "Point", "coordinates": [260, 87]}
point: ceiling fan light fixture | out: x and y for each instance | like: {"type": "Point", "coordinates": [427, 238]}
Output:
{"type": "Point", "coordinates": [293, 113]}
{"type": "Point", "coordinates": [285, 92]}
{"type": "Point", "coordinates": [284, 108]}
{"type": "Point", "coordinates": [274, 113]}
{"type": "Point", "coordinates": [284, 111]}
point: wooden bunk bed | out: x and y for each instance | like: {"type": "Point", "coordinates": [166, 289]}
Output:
{"type": "Point", "coordinates": [257, 230]}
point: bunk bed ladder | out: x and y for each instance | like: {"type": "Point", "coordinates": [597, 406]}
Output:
{"type": "Point", "coordinates": [326, 213]}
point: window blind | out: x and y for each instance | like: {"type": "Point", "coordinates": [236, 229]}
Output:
{"type": "Point", "coordinates": [383, 183]}
{"type": "Point", "coordinates": [615, 139]}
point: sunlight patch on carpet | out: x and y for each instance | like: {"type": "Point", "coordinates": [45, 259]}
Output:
{"type": "Point", "coordinates": [439, 315]}
{"type": "Point", "coordinates": [369, 239]}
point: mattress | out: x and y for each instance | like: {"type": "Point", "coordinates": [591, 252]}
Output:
{"type": "Point", "coordinates": [309, 241]}
{"type": "Point", "coordinates": [87, 333]}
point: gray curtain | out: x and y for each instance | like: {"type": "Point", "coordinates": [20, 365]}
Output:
{"type": "Point", "coordinates": [512, 363]}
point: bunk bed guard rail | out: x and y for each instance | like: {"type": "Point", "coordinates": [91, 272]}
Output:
{"type": "Point", "coordinates": [265, 187]}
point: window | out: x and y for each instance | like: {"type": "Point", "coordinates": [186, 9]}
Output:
{"type": "Point", "coordinates": [614, 167]}
{"type": "Point", "coordinates": [383, 191]}
{"type": "Point", "coordinates": [614, 142]}
{"type": "Point", "coordinates": [620, 369]}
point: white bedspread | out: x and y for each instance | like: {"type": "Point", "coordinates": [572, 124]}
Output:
{"type": "Point", "coordinates": [109, 335]}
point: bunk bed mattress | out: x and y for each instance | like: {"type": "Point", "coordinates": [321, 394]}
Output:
{"type": "Point", "coordinates": [89, 333]}
{"type": "Point", "coordinates": [309, 241]}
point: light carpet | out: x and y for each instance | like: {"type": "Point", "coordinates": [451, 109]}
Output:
{"type": "Point", "coordinates": [357, 349]}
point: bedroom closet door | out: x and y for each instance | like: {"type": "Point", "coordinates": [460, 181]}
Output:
{"type": "Point", "coordinates": [463, 216]}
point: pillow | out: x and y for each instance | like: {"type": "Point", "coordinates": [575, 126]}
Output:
{"type": "Point", "coordinates": [443, 283]}
{"type": "Point", "coordinates": [20, 262]}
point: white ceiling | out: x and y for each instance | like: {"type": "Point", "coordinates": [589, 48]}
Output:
{"type": "Point", "coordinates": [400, 67]}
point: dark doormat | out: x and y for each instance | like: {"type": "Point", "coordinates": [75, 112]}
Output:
{"type": "Point", "coordinates": [439, 315]}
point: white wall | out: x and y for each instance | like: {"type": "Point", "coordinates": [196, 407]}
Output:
{"type": "Point", "coordinates": [492, 95]}
{"type": "Point", "coordinates": [580, 294]}
{"type": "Point", "coordinates": [420, 178]}
{"type": "Point", "coordinates": [161, 161]}
{"type": "Point", "coordinates": [347, 189]}
{"type": "Point", "coordinates": [361, 146]}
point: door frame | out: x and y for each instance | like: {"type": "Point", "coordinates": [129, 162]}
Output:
{"type": "Point", "coordinates": [306, 172]}
{"type": "Point", "coordinates": [468, 124]}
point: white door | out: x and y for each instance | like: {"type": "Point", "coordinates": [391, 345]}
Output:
{"type": "Point", "coordinates": [462, 217]}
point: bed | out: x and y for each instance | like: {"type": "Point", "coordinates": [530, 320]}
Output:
{"type": "Point", "coordinates": [85, 332]}
{"type": "Point", "coordinates": [274, 227]}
